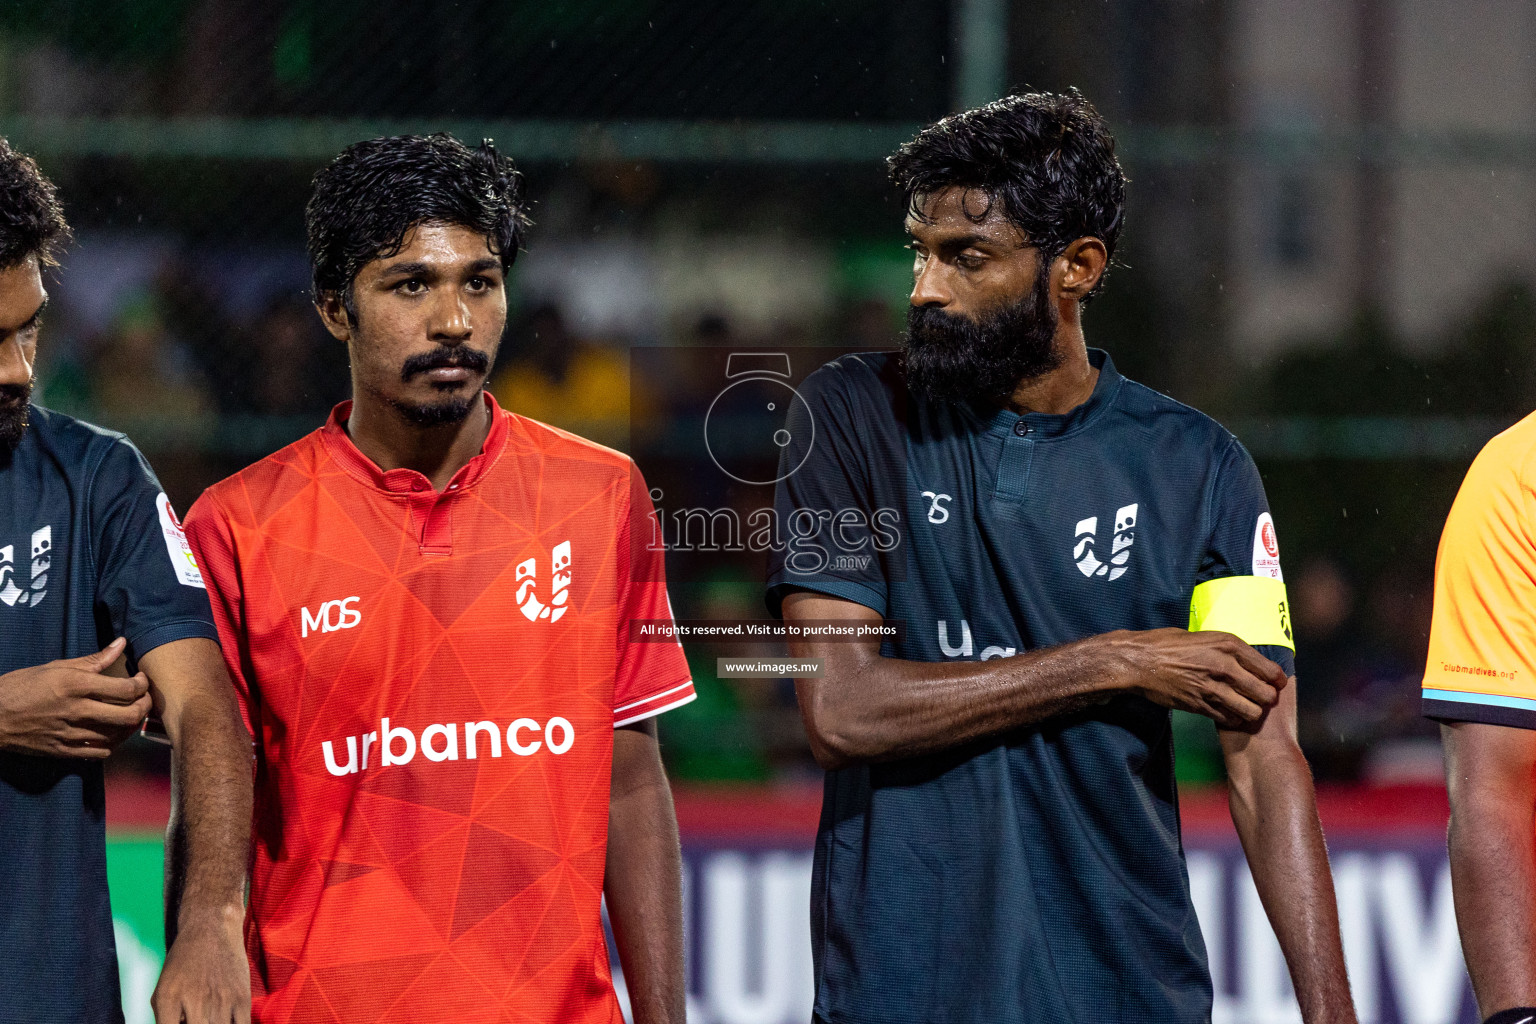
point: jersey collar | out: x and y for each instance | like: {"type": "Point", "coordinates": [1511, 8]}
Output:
{"type": "Point", "coordinates": [1039, 425]}
{"type": "Point", "coordinates": [407, 481]}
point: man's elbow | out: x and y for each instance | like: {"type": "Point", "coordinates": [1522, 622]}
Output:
{"type": "Point", "coordinates": [830, 753]}
{"type": "Point", "coordinates": [1264, 764]}
{"type": "Point", "coordinates": [211, 716]}
{"type": "Point", "coordinates": [836, 741]}
{"type": "Point", "coordinates": [1487, 810]}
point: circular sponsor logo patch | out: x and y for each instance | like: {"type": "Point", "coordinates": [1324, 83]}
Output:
{"type": "Point", "coordinates": [1266, 548]}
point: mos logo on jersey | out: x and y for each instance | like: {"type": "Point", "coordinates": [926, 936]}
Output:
{"type": "Point", "coordinates": [1113, 563]}
{"type": "Point", "coordinates": [330, 616]}
{"type": "Point", "coordinates": [20, 590]}
{"type": "Point", "coordinates": [528, 600]}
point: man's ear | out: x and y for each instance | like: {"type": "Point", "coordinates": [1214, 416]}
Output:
{"type": "Point", "coordinates": [333, 313]}
{"type": "Point", "coordinates": [1085, 259]}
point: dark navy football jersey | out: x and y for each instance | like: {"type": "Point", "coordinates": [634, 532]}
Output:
{"type": "Point", "coordinates": [1036, 875]}
{"type": "Point", "coordinates": [89, 550]}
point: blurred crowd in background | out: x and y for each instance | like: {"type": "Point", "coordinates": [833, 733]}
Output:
{"type": "Point", "coordinates": [1331, 247]}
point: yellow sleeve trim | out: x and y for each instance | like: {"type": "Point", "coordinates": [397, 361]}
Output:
{"type": "Point", "coordinates": [1251, 608]}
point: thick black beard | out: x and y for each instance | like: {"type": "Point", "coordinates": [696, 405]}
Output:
{"type": "Point", "coordinates": [951, 358]}
{"type": "Point", "coordinates": [15, 413]}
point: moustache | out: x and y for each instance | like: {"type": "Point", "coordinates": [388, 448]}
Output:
{"type": "Point", "coordinates": [445, 358]}
{"type": "Point", "coordinates": [927, 326]}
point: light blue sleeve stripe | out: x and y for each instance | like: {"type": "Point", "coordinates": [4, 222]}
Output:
{"type": "Point", "coordinates": [1494, 699]}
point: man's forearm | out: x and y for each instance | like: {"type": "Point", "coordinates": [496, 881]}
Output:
{"type": "Point", "coordinates": [869, 708]}
{"type": "Point", "coordinates": [1275, 811]}
{"type": "Point", "coordinates": [1493, 879]}
{"type": "Point", "coordinates": [884, 708]}
{"type": "Point", "coordinates": [208, 842]}
{"type": "Point", "coordinates": [643, 886]}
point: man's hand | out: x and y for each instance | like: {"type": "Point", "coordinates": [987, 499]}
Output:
{"type": "Point", "coordinates": [206, 979]}
{"type": "Point", "coordinates": [70, 707]}
{"type": "Point", "coordinates": [1212, 674]}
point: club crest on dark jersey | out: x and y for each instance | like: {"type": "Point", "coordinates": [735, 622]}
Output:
{"type": "Point", "coordinates": [1083, 552]}
{"type": "Point", "coordinates": [13, 589]}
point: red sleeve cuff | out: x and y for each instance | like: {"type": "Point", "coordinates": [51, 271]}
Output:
{"type": "Point", "coordinates": [665, 699]}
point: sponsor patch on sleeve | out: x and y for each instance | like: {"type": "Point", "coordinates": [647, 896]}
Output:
{"type": "Point", "coordinates": [1266, 548]}
{"type": "Point", "coordinates": [183, 561]}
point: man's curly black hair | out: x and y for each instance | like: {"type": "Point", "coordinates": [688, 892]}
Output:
{"type": "Point", "coordinates": [31, 218]}
{"type": "Point", "coordinates": [367, 199]}
{"type": "Point", "coordinates": [1047, 157]}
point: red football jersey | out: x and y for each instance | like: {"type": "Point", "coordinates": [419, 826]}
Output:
{"type": "Point", "coordinates": [433, 680]}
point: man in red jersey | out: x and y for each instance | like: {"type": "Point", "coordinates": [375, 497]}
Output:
{"type": "Point", "coordinates": [425, 607]}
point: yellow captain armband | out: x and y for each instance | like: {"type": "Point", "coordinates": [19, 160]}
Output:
{"type": "Point", "coordinates": [1251, 608]}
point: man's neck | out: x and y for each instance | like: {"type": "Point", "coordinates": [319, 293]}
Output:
{"type": "Point", "coordinates": [393, 442]}
{"type": "Point", "coordinates": [1064, 388]}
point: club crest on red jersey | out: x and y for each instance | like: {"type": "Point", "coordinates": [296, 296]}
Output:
{"type": "Point", "coordinates": [528, 600]}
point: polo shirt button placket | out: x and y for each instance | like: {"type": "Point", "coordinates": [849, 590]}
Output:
{"type": "Point", "coordinates": [1013, 468]}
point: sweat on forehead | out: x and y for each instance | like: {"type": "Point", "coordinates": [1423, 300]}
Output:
{"type": "Point", "coordinates": [960, 214]}
{"type": "Point", "coordinates": [976, 204]}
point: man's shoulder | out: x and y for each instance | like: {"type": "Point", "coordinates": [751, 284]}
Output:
{"type": "Point", "coordinates": [1140, 408]}
{"type": "Point", "coordinates": [533, 438]}
{"type": "Point", "coordinates": [857, 373]}
{"type": "Point", "coordinates": [269, 480]}
{"type": "Point", "coordinates": [862, 390]}
{"type": "Point", "coordinates": [1498, 492]}
{"type": "Point", "coordinates": [74, 443]}
{"type": "Point", "coordinates": [565, 468]}
{"type": "Point", "coordinates": [1509, 454]}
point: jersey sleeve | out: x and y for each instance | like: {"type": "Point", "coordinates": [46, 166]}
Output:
{"type": "Point", "coordinates": [653, 675]}
{"type": "Point", "coordinates": [148, 584]}
{"type": "Point", "coordinates": [1482, 638]}
{"type": "Point", "coordinates": [1240, 588]}
{"type": "Point", "coordinates": [209, 533]}
{"type": "Point", "coordinates": [824, 502]}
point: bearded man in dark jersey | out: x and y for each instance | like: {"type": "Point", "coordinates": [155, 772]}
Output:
{"type": "Point", "coordinates": [999, 839]}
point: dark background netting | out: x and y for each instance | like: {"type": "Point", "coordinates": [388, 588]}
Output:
{"type": "Point", "coordinates": [1318, 251]}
